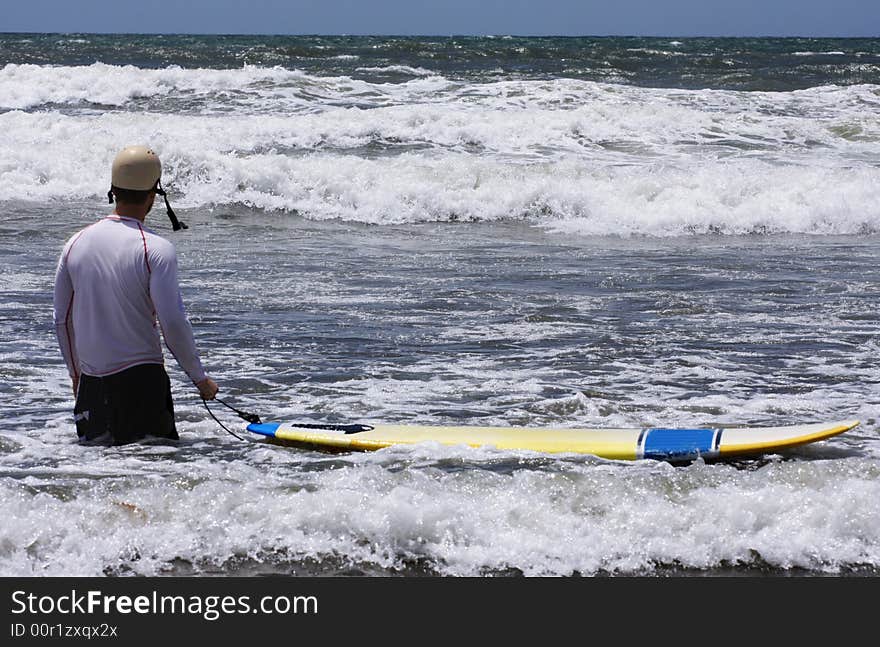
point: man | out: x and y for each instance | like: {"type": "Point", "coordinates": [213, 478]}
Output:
{"type": "Point", "coordinates": [114, 279]}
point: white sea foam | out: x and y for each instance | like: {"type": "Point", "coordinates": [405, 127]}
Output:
{"type": "Point", "coordinates": [24, 86]}
{"type": "Point", "coordinates": [581, 517]}
{"type": "Point", "coordinates": [576, 156]}
{"type": "Point", "coordinates": [399, 69]}
{"type": "Point", "coordinates": [249, 161]}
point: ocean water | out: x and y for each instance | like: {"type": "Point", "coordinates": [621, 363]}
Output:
{"type": "Point", "coordinates": [514, 231]}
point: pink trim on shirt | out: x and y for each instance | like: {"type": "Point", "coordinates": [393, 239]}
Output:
{"type": "Point", "coordinates": [146, 258]}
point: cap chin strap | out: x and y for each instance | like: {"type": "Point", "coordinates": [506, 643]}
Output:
{"type": "Point", "coordinates": [175, 223]}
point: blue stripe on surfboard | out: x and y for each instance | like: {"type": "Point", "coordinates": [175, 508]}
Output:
{"type": "Point", "coordinates": [265, 428]}
{"type": "Point", "coordinates": [660, 444]}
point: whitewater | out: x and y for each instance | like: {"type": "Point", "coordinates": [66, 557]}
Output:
{"type": "Point", "coordinates": [535, 232]}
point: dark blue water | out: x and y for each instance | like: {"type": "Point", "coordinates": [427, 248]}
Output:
{"type": "Point", "coordinates": [768, 64]}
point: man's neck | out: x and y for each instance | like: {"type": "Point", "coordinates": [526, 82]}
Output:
{"type": "Point", "coordinates": [135, 211]}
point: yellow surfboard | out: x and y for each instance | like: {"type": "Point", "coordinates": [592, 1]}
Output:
{"type": "Point", "coordinates": [660, 443]}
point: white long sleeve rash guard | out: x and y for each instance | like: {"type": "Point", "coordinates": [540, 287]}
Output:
{"type": "Point", "coordinates": [115, 281]}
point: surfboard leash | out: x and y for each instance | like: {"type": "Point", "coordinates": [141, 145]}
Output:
{"type": "Point", "coordinates": [244, 415]}
{"type": "Point", "coordinates": [253, 418]}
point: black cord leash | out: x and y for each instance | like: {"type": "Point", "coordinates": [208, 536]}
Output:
{"type": "Point", "coordinates": [255, 419]}
{"type": "Point", "coordinates": [244, 415]}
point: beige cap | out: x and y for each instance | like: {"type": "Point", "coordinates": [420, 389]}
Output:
{"type": "Point", "coordinates": [136, 168]}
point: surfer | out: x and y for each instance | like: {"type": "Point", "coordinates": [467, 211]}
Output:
{"type": "Point", "coordinates": [114, 280]}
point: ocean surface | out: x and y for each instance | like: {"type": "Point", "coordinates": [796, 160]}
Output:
{"type": "Point", "coordinates": [514, 231]}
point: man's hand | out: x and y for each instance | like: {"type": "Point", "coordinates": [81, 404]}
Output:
{"type": "Point", "coordinates": [74, 379]}
{"type": "Point", "coordinates": [207, 388]}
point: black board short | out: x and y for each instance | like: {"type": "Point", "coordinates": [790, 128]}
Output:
{"type": "Point", "coordinates": [125, 407]}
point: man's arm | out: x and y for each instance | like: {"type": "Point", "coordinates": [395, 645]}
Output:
{"type": "Point", "coordinates": [175, 325]}
{"type": "Point", "coordinates": [63, 318]}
